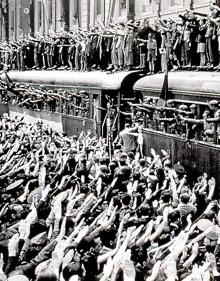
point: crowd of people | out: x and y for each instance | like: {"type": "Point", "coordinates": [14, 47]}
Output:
{"type": "Point", "coordinates": [70, 212]}
{"type": "Point", "coordinates": [194, 40]}
{"type": "Point", "coordinates": [189, 121]}
{"type": "Point", "coordinates": [43, 99]}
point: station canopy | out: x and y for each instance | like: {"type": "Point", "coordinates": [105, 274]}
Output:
{"type": "Point", "coordinates": [94, 80]}
{"type": "Point", "coordinates": [188, 82]}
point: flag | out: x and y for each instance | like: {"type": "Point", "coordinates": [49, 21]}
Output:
{"type": "Point", "coordinates": [164, 92]}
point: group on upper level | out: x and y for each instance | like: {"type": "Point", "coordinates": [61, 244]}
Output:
{"type": "Point", "coordinates": [194, 41]}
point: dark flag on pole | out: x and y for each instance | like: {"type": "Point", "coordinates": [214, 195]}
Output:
{"type": "Point", "coordinates": [164, 92]}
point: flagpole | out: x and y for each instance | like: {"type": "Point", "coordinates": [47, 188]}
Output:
{"type": "Point", "coordinates": [161, 102]}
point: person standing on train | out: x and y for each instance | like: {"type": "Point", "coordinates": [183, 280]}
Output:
{"type": "Point", "coordinates": [71, 53]}
{"type": "Point", "coordinates": [128, 48]}
{"type": "Point", "coordinates": [120, 45]}
{"type": "Point", "coordinates": [142, 33]}
{"type": "Point", "coordinates": [208, 43]}
{"type": "Point", "coordinates": [114, 53]}
{"type": "Point", "coordinates": [217, 24]}
{"type": "Point", "coordinates": [77, 54]}
{"type": "Point", "coordinates": [201, 41]}
{"type": "Point", "coordinates": [151, 53]}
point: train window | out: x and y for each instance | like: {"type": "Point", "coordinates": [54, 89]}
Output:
{"type": "Point", "coordinates": [77, 105]}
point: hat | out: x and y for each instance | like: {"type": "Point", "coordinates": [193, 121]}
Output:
{"type": "Point", "coordinates": [130, 26]}
{"type": "Point", "coordinates": [209, 132]}
{"type": "Point", "coordinates": [16, 207]}
{"type": "Point", "coordinates": [14, 185]}
{"type": "Point", "coordinates": [123, 156]}
{"type": "Point", "coordinates": [179, 169]}
{"type": "Point", "coordinates": [104, 168]}
{"type": "Point", "coordinates": [82, 92]}
{"type": "Point", "coordinates": [167, 162]}
{"type": "Point", "coordinates": [125, 170]}
{"type": "Point", "coordinates": [193, 106]}
{"type": "Point", "coordinates": [121, 24]}
{"type": "Point", "coordinates": [204, 224]}
{"type": "Point", "coordinates": [183, 107]}
{"type": "Point", "coordinates": [213, 102]}
{"type": "Point", "coordinates": [170, 101]}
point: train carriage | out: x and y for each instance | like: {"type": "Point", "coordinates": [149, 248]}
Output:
{"type": "Point", "coordinates": [198, 88]}
{"type": "Point", "coordinates": [100, 88]}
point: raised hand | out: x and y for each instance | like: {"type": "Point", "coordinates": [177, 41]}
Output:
{"type": "Point", "coordinates": [212, 182]}
{"type": "Point", "coordinates": [13, 245]}
{"type": "Point", "coordinates": [24, 229]}
{"type": "Point", "coordinates": [3, 277]}
{"type": "Point", "coordinates": [57, 209]}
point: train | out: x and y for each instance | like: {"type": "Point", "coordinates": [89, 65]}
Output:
{"type": "Point", "coordinates": [185, 87]}
{"type": "Point", "coordinates": [107, 91]}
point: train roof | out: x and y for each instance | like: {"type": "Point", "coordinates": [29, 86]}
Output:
{"type": "Point", "coordinates": [183, 84]}
{"type": "Point", "coordinates": [88, 80]}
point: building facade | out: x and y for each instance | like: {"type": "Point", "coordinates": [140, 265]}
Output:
{"type": "Point", "coordinates": [20, 17]}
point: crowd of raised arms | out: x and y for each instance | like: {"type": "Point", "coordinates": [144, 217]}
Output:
{"type": "Point", "coordinates": [69, 212]}
{"type": "Point", "coordinates": [192, 41]}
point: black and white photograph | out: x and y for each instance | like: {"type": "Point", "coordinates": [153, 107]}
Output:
{"type": "Point", "coordinates": [109, 140]}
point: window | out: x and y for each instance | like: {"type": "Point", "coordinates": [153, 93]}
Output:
{"type": "Point", "coordinates": [13, 21]}
{"type": "Point", "coordinates": [122, 4]}
{"type": "Point", "coordinates": [122, 7]}
{"type": "Point", "coordinates": [98, 7]}
{"type": "Point", "coordinates": [175, 3]}
{"type": "Point", "coordinates": [20, 17]}
{"type": "Point", "coordinates": [143, 8]}
{"type": "Point", "coordinates": [75, 9]}
{"type": "Point", "coordinates": [39, 15]}
{"type": "Point", "coordinates": [61, 20]}
{"type": "Point", "coordinates": [50, 11]}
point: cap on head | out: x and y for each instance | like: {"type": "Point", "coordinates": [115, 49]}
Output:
{"type": "Point", "coordinates": [213, 102]}
{"type": "Point", "coordinates": [121, 24]}
{"type": "Point", "coordinates": [183, 107]}
{"type": "Point", "coordinates": [131, 27]}
{"type": "Point", "coordinates": [82, 92]}
{"type": "Point", "coordinates": [170, 102]}
{"type": "Point", "coordinates": [193, 106]}
{"type": "Point", "coordinates": [179, 169]}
